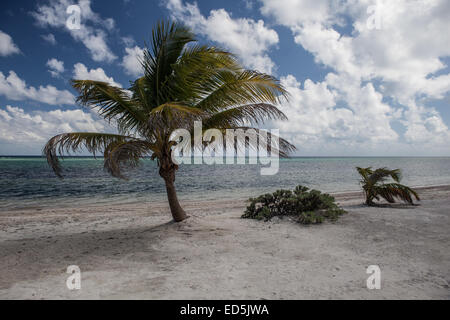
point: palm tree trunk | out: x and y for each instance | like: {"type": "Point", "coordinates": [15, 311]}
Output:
{"type": "Point", "coordinates": [177, 211]}
{"type": "Point", "coordinates": [167, 172]}
{"type": "Point", "coordinates": [369, 201]}
{"type": "Point", "coordinates": [369, 197]}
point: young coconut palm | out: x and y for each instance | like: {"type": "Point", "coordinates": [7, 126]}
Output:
{"type": "Point", "coordinates": [182, 82]}
{"type": "Point", "coordinates": [374, 187]}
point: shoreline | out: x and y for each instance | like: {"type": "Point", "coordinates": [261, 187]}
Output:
{"type": "Point", "coordinates": [339, 195]}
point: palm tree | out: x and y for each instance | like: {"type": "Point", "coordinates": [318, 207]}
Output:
{"type": "Point", "coordinates": [182, 82]}
{"type": "Point", "coordinates": [374, 187]}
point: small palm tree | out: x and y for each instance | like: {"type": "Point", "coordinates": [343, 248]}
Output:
{"type": "Point", "coordinates": [374, 187]}
{"type": "Point", "coordinates": [182, 82]}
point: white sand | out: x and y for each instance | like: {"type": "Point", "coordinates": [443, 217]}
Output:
{"type": "Point", "coordinates": [133, 251]}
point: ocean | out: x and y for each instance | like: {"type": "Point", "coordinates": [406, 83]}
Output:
{"type": "Point", "coordinates": [29, 182]}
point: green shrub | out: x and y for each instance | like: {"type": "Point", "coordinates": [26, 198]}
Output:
{"type": "Point", "coordinates": [306, 206]}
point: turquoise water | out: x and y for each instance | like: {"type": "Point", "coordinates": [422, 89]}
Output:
{"type": "Point", "coordinates": [29, 182]}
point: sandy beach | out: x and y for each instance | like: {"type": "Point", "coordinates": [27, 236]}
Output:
{"type": "Point", "coordinates": [133, 251]}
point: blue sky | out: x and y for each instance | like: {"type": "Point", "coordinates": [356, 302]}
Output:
{"type": "Point", "coordinates": [354, 90]}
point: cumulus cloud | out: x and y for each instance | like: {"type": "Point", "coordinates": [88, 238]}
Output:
{"type": "Point", "coordinates": [401, 52]}
{"type": "Point", "coordinates": [251, 40]}
{"type": "Point", "coordinates": [318, 119]}
{"type": "Point", "coordinates": [14, 88]}
{"type": "Point", "coordinates": [398, 62]}
{"type": "Point", "coordinates": [128, 41]}
{"type": "Point", "coordinates": [50, 38]}
{"type": "Point", "coordinates": [56, 67]}
{"type": "Point", "coordinates": [301, 12]}
{"type": "Point", "coordinates": [93, 29]}
{"type": "Point", "coordinates": [24, 132]}
{"type": "Point", "coordinates": [7, 45]}
{"type": "Point", "coordinates": [81, 72]}
{"type": "Point", "coordinates": [131, 61]}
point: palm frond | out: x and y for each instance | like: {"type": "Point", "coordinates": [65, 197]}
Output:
{"type": "Point", "coordinates": [197, 58]}
{"type": "Point", "coordinates": [391, 191]}
{"type": "Point", "coordinates": [228, 88]}
{"type": "Point", "coordinates": [262, 141]}
{"type": "Point", "coordinates": [113, 102]}
{"type": "Point", "coordinates": [238, 116]}
{"type": "Point", "coordinates": [383, 174]}
{"type": "Point", "coordinates": [125, 154]}
{"type": "Point", "coordinates": [194, 69]}
{"type": "Point", "coordinates": [66, 143]}
{"type": "Point", "coordinates": [283, 148]}
{"type": "Point", "coordinates": [142, 94]}
{"type": "Point", "coordinates": [168, 42]}
{"type": "Point", "coordinates": [170, 116]}
{"type": "Point", "coordinates": [364, 173]}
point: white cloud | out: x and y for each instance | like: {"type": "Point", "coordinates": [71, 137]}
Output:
{"type": "Point", "coordinates": [325, 120]}
{"type": "Point", "coordinates": [7, 45]}
{"type": "Point", "coordinates": [425, 127]}
{"type": "Point", "coordinates": [397, 63]}
{"type": "Point", "coordinates": [92, 32]}
{"type": "Point", "coordinates": [248, 4]}
{"type": "Point", "coordinates": [24, 132]}
{"type": "Point", "coordinates": [251, 40]}
{"type": "Point", "coordinates": [131, 61]}
{"type": "Point", "coordinates": [317, 119]}
{"type": "Point", "coordinates": [128, 41]}
{"type": "Point", "coordinates": [14, 88]}
{"type": "Point", "coordinates": [56, 67]}
{"type": "Point", "coordinates": [81, 72]}
{"type": "Point", "coordinates": [299, 12]}
{"type": "Point", "coordinates": [402, 53]}
{"type": "Point", "coordinates": [50, 38]}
